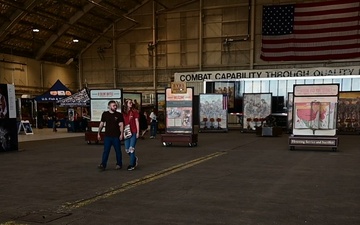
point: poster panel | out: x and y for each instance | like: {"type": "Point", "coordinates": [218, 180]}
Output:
{"type": "Point", "coordinates": [213, 112]}
{"type": "Point", "coordinates": [179, 112]}
{"type": "Point", "coordinates": [315, 109]}
{"type": "Point", "coordinates": [99, 100]}
{"type": "Point", "coordinates": [7, 101]}
{"type": "Point", "coordinates": [257, 107]}
{"type": "Point", "coordinates": [8, 135]}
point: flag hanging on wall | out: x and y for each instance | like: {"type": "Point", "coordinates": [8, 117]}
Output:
{"type": "Point", "coordinates": [311, 31]}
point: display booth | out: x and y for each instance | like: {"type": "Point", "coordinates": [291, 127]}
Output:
{"type": "Point", "coordinates": [8, 124]}
{"type": "Point", "coordinates": [314, 116]}
{"type": "Point", "coordinates": [99, 100]}
{"type": "Point", "coordinates": [213, 112]}
{"type": "Point", "coordinates": [179, 117]}
{"type": "Point", "coordinates": [46, 103]}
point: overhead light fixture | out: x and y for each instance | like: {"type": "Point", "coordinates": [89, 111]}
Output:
{"type": "Point", "coordinates": [35, 30]}
{"type": "Point", "coordinates": [75, 40]}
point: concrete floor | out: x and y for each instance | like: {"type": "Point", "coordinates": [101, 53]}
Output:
{"type": "Point", "coordinates": [229, 178]}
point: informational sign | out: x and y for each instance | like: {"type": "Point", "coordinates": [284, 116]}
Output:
{"type": "Point", "coordinates": [25, 126]}
{"type": "Point", "coordinates": [201, 76]}
{"type": "Point", "coordinates": [315, 109]}
{"type": "Point", "coordinates": [178, 87]}
{"type": "Point", "coordinates": [179, 112]}
{"type": "Point", "coordinates": [99, 100]}
{"type": "Point", "coordinates": [105, 94]}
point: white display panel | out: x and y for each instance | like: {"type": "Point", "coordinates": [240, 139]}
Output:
{"type": "Point", "coordinates": [179, 112]}
{"type": "Point", "coordinates": [315, 110]}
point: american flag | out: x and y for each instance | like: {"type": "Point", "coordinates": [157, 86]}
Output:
{"type": "Point", "coordinates": [311, 31]}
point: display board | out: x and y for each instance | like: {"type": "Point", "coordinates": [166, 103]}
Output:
{"type": "Point", "coordinates": [257, 106]}
{"type": "Point", "coordinates": [179, 111]}
{"type": "Point", "coordinates": [99, 100]}
{"type": "Point", "coordinates": [213, 112]}
{"type": "Point", "coordinates": [315, 109]}
{"type": "Point", "coordinates": [8, 125]}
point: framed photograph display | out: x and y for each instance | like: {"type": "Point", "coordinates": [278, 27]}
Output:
{"type": "Point", "coordinates": [213, 112]}
{"type": "Point", "coordinates": [349, 112]}
{"type": "Point", "coordinates": [227, 88]}
{"type": "Point", "coordinates": [99, 100]}
{"type": "Point", "coordinates": [256, 108]}
{"type": "Point", "coordinates": [135, 97]}
{"type": "Point", "coordinates": [315, 109]}
{"type": "Point", "coordinates": [179, 111]}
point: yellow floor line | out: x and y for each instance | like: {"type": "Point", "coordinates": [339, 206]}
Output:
{"type": "Point", "coordinates": [140, 181]}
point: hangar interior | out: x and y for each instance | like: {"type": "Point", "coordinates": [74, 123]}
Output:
{"type": "Point", "coordinates": [130, 44]}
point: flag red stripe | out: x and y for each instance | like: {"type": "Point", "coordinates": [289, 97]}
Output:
{"type": "Point", "coordinates": [320, 48]}
{"type": "Point", "coordinates": [309, 58]}
{"type": "Point", "coordinates": [311, 40]}
{"type": "Point", "coordinates": [325, 21]}
{"type": "Point", "coordinates": [317, 4]}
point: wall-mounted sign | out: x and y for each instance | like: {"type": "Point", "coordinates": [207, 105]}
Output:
{"type": "Point", "coordinates": [178, 88]}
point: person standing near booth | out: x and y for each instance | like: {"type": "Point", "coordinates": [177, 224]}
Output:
{"type": "Point", "coordinates": [131, 131]}
{"type": "Point", "coordinates": [153, 124]}
{"type": "Point", "coordinates": [114, 122]}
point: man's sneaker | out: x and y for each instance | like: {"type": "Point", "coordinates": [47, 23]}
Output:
{"type": "Point", "coordinates": [130, 168]}
{"type": "Point", "coordinates": [118, 167]}
{"type": "Point", "coordinates": [101, 167]}
{"type": "Point", "coordinates": [136, 161]}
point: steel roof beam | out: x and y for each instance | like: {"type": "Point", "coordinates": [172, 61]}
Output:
{"type": "Point", "coordinates": [15, 18]}
{"type": "Point", "coordinates": [63, 29]}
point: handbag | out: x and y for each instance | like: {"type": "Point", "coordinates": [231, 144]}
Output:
{"type": "Point", "coordinates": [127, 132]}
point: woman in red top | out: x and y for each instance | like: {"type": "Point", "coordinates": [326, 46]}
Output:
{"type": "Point", "coordinates": [131, 117]}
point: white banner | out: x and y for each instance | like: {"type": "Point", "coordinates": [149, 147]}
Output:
{"type": "Point", "coordinates": [243, 74]}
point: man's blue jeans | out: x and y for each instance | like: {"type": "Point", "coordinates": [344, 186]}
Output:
{"type": "Point", "coordinates": [130, 148]}
{"type": "Point", "coordinates": [108, 142]}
